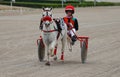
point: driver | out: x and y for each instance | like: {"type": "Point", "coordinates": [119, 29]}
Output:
{"type": "Point", "coordinates": [72, 23]}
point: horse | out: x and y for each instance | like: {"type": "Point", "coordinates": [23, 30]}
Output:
{"type": "Point", "coordinates": [50, 33]}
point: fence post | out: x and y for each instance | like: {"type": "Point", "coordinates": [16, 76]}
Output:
{"type": "Point", "coordinates": [62, 3]}
{"type": "Point", "coordinates": [94, 2]}
{"type": "Point", "coordinates": [11, 4]}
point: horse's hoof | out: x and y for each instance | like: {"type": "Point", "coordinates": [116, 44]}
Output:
{"type": "Point", "coordinates": [41, 60]}
{"type": "Point", "coordinates": [55, 58]}
{"type": "Point", "coordinates": [62, 61]}
{"type": "Point", "coordinates": [70, 50]}
{"type": "Point", "coordinates": [48, 63]}
{"type": "Point", "coordinates": [52, 55]}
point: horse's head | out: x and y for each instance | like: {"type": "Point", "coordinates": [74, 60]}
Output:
{"type": "Point", "coordinates": [47, 16]}
{"type": "Point", "coordinates": [47, 12]}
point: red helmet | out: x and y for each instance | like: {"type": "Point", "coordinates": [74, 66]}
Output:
{"type": "Point", "coordinates": [69, 8]}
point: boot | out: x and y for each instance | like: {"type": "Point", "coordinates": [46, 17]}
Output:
{"type": "Point", "coordinates": [74, 39]}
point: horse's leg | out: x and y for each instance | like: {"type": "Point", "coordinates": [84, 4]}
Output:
{"type": "Point", "coordinates": [69, 43]}
{"type": "Point", "coordinates": [48, 56]}
{"type": "Point", "coordinates": [63, 40]}
{"type": "Point", "coordinates": [52, 46]}
{"type": "Point", "coordinates": [55, 52]}
{"type": "Point", "coordinates": [62, 50]}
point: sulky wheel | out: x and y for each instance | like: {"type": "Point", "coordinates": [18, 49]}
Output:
{"type": "Point", "coordinates": [83, 51]}
{"type": "Point", "coordinates": [41, 50]}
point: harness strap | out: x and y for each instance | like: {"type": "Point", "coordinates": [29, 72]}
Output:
{"type": "Point", "coordinates": [49, 31]}
{"type": "Point", "coordinates": [53, 31]}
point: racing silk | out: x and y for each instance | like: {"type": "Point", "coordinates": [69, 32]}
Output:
{"type": "Point", "coordinates": [73, 21]}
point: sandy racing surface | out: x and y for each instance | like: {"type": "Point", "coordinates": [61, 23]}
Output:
{"type": "Point", "coordinates": [18, 49]}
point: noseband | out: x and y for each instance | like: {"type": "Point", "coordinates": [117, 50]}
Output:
{"type": "Point", "coordinates": [47, 18]}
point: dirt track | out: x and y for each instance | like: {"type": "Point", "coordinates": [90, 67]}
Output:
{"type": "Point", "coordinates": [18, 49]}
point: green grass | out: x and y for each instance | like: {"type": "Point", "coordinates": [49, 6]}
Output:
{"type": "Point", "coordinates": [56, 5]}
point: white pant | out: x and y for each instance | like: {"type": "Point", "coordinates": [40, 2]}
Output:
{"type": "Point", "coordinates": [72, 32]}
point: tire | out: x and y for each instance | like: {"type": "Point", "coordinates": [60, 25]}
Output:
{"type": "Point", "coordinates": [41, 51]}
{"type": "Point", "coordinates": [83, 52]}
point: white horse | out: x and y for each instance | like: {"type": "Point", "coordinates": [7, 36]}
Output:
{"type": "Point", "coordinates": [50, 33]}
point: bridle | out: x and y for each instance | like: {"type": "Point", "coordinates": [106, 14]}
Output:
{"type": "Point", "coordinates": [48, 18]}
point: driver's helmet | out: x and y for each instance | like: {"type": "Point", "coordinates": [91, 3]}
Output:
{"type": "Point", "coordinates": [69, 8]}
